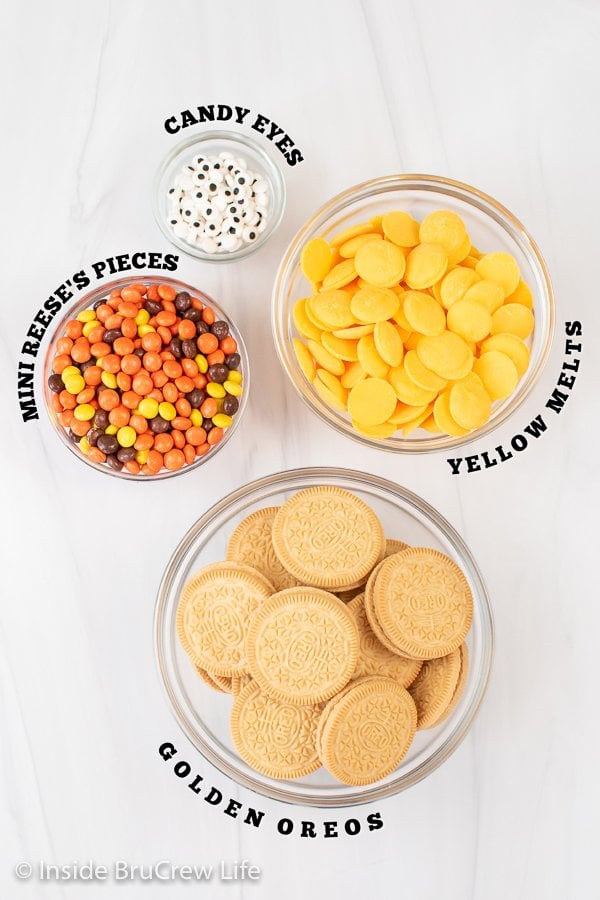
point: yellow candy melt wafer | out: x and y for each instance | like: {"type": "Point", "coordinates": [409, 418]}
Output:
{"type": "Point", "coordinates": [442, 417]}
{"type": "Point", "coordinates": [371, 401]}
{"type": "Point", "coordinates": [339, 348]}
{"type": "Point", "coordinates": [469, 319]}
{"type": "Point", "coordinates": [400, 228]}
{"type": "Point", "coordinates": [522, 294]}
{"type": "Point", "coordinates": [423, 313]}
{"type": "Point", "coordinates": [310, 314]}
{"type": "Point", "coordinates": [446, 354]}
{"type": "Point", "coordinates": [513, 318]}
{"type": "Point", "coordinates": [422, 377]}
{"type": "Point", "coordinates": [350, 248]}
{"type": "Point", "coordinates": [354, 332]}
{"type": "Point", "coordinates": [303, 324]}
{"type": "Point", "coordinates": [447, 229]}
{"type": "Point", "coordinates": [486, 292]}
{"type": "Point", "coordinates": [501, 268]}
{"type": "Point", "coordinates": [315, 260]}
{"type": "Point", "coordinates": [351, 232]}
{"type": "Point", "coordinates": [380, 263]}
{"type": "Point", "coordinates": [512, 346]}
{"type": "Point", "coordinates": [406, 413]}
{"type": "Point", "coordinates": [425, 265]}
{"type": "Point", "coordinates": [341, 274]}
{"type": "Point", "coordinates": [373, 304]}
{"type": "Point", "coordinates": [415, 423]}
{"type": "Point", "coordinates": [498, 374]}
{"type": "Point", "coordinates": [304, 358]}
{"type": "Point", "coordinates": [470, 403]}
{"type": "Point", "coordinates": [334, 384]}
{"type": "Point", "coordinates": [385, 430]}
{"type": "Point", "coordinates": [407, 391]}
{"type": "Point", "coordinates": [369, 358]}
{"type": "Point", "coordinates": [455, 284]}
{"type": "Point", "coordinates": [325, 359]}
{"type": "Point", "coordinates": [332, 308]}
{"type": "Point", "coordinates": [337, 399]}
{"type": "Point", "coordinates": [353, 374]}
{"type": "Point", "coordinates": [388, 343]}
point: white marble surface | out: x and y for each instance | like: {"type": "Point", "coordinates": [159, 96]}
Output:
{"type": "Point", "coordinates": [502, 96]}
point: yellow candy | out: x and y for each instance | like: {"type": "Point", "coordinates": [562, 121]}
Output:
{"type": "Point", "coordinates": [423, 313]}
{"type": "Point", "coordinates": [388, 343]}
{"type": "Point", "coordinates": [486, 292]}
{"type": "Point", "coordinates": [513, 318]}
{"type": "Point", "coordinates": [498, 374]}
{"type": "Point", "coordinates": [469, 319]}
{"type": "Point", "coordinates": [380, 263]}
{"type": "Point", "coordinates": [405, 413]}
{"type": "Point", "coordinates": [425, 265]}
{"type": "Point", "coordinates": [202, 363]}
{"type": "Point", "coordinates": [89, 326]}
{"type": "Point", "coordinates": [303, 324]}
{"type": "Point", "coordinates": [69, 370]}
{"type": "Point", "coordinates": [86, 315]}
{"type": "Point", "coordinates": [354, 332]}
{"type": "Point", "coordinates": [351, 232]}
{"type": "Point", "coordinates": [501, 268]}
{"type": "Point", "coordinates": [371, 402]}
{"type": "Point", "coordinates": [369, 358]}
{"type": "Point", "coordinates": [143, 317]}
{"type": "Point", "coordinates": [145, 329]}
{"type": "Point", "coordinates": [353, 374]}
{"type": "Point", "coordinates": [325, 359]}
{"type": "Point", "coordinates": [213, 390]}
{"type": "Point", "coordinates": [74, 384]}
{"type": "Point", "coordinates": [373, 304]}
{"type": "Point", "coordinates": [340, 275]}
{"type": "Point", "coordinates": [148, 407]}
{"type": "Point", "coordinates": [470, 403]}
{"type": "Point", "coordinates": [339, 348]}
{"type": "Point", "coordinates": [333, 385]}
{"type": "Point", "coordinates": [196, 417]}
{"type": "Point", "coordinates": [407, 391]}
{"type": "Point", "coordinates": [422, 377]}
{"type": "Point", "coordinates": [447, 229]}
{"type": "Point", "coordinates": [126, 436]}
{"type": "Point", "coordinates": [446, 354]}
{"type": "Point", "coordinates": [522, 295]}
{"type": "Point", "coordinates": [84, 444]}
{"type": "Point", "coordinates": [304, 358]}
{"type": "Point", "coordinates": [222, 420]}
{"type": "Point", "coordinates": [413, 424]}
{"type": "Point", "coordinates": [412, 341]}
{"type": "Point", "coordinates": [167, 410]}
{"type": "Point", "coordinates": [400, 228]}
{"type": "Point", "coordinates": [455, 284]}
{"type": "Point", "coordinates": [349, 248]}
{"type": "Point", "coordinates": [385, 430]}
{"type": "Point", "coordinates": [236, 376]}
{"type": "Point", "coordinates": [512, 346]}
{"type": "Point", "coordinates": [471, 263]}
{"type": "Point", "coordinates": [110, 429]}
{"type": "Point", "coordinates": [233, 387]}
{"type": "Point", "coordinates": [399, 317]}
{"type": "Point", "coordinates": [332, 308]}
{"type": "Point", "coordinates": [442, 417]}
{"type": "Point", "coordinates": [430, 425]}
{"type": "Point", "coordinates": [141, 457]}
{"type": "Point", "coordinates": [84, 412]}
{"type": "Point", "coordinates": [109, 380]}
{"type": "Point", "coordinates": [315, 260]}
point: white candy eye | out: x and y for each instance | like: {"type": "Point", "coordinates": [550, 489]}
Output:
{"type": "Point", "coordinates": [249, 234]}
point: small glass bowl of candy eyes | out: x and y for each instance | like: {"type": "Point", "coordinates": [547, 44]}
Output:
{"type": "Point", "coordinates": [218, 196]}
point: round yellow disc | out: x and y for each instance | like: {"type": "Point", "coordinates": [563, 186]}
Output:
{"type": "Point", "coordinates": [498, 373]}
{"type": "Point", "coordinates": [373, 304]}
{"type": "Point", "coordinates": [469, 319]}
{"type": "Point", "coordinates": [349, 249]}
{"type": "Point", "coordinates": [388, 343]}
{"type": "Point", "coordinates": [513, 318]}
{"type": "Point", "coordinates": [447, 229]}
{"type": "Point", "coordinates": [354, 332]}
{"type": "Point", "coordinates": [339, 348]}
{"type": "Point", "coordinates": [407, 391]}
{"type": "Point", "coordinates": [332, 308]}
{"type": "Point", "coordinates": [404, 412]}
{"type": "Point", "coordinates": [455, 285]}
{"type": "Point", "coordinates": [446, 354]}
{"type": "Point", "coordinates": [303, 323]}
{"type": "Point", "coordinates": [372, 401]}
{"type": "Point", "coordinates": [350, 232]}
{"type": "Point", "coordinates": [340, 275]}
{"type": "Point", "coordinates": [315, 260]}
{"type": "Point", "coordinates": [430, 425]}
{"type": "Point", "coordinates": [385, 430]}
{"type": "Point", "coordinates": [443, 419]}
{"type": "Point", "coordinates": [369, 358]}
{"type": "Point", "coordinates": [415, 423]}
{"type": "Point", "coordinates": [486, 292]}
{"type": "Point", "coordinates": [501, 268]}
{"type": "Point", "coordinates": [422, 377]}
{"type": "Point", "coordinates": [512, 346]}
{"type": "Point", "coordinates": [325, 359]}
{"type": "Point", "coordinates": [310, 314]}
{"type": "Point", "coordinates": [522, 295]}
{"type": "Point", "coordinates": [425, 265]}
{"type": "Point", "coordinates": [353, 374]}
{"type": "Point", "coordinates": [334, 384]}
{"type": "Point", "coordinates": [423, 313]}
{"type": "Point", "coordinates": [399, 316]}
{"type": "Point", "coordinates": [328, 396]}
{"type": "Point", "coordinates": [470, 403]}
{"type": "Point", "coordinates": [400, 228]}
{"type": "Point", "coordinates": [304, 358]}
{"type": "Point", "coordinates": [380, 263]}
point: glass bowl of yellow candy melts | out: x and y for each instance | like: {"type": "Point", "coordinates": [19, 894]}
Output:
{"type": "Point", "coordinates": [413, 313]}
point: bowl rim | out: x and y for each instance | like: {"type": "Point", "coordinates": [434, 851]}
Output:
{"type": "Point", "coordinates": [311, 475]}
{"type": "Point", "coordinates": [271, 170]}
{"type": "Point", "coordinates": [485, 203]}
{"type": "Point", "coordinates": [87, 300]}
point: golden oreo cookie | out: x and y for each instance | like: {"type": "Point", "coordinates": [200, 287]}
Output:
{"type": "Point", "coordinates": [327, 537]}
{"type": "Point", "coordinates": [372, 616]}
{"type": "Point", "coordinates": [217, 682]}
{"type": "Point", "coordinates": [239, 682]}
{"type": "Point", "coordinates": [251, 543]}
{"type": "Point", "coordinates": [275, 737]}
{"type": "Point", "coordinates": [213, 613]}
{"type": "Point", "coordinates": [423, 603]}
{"type": "Point", "coordinates": [392, 546]}
{"type": "Point", "coordinates": [460, 686]}
{"type": "Point", "coordinates": [373, 657]}
{"type": "Point", "coordinates": [434, 688]}
{"type": "Point", "coordinates": [367, 731]}
{"type": "Point", "coordinates": [302, 645]}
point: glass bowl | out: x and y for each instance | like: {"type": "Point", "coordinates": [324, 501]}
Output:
{"type": "Point", "coordinates": [213, 143]}
{"type": "Point", "coordinates": [203, 714]}
{"type": "Point", "coordinates": [491, 228]}
{"type": "Point", "coordinates": [88, 301]}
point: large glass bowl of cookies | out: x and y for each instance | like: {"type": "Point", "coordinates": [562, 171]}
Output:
{"type": "Point", "coordinates": [413, 313]}
{"type": "Point", "coordinates": [324, 637]}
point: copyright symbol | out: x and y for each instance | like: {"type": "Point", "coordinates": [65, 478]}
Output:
{"type": "Point", "coordinates": [23, 870]}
